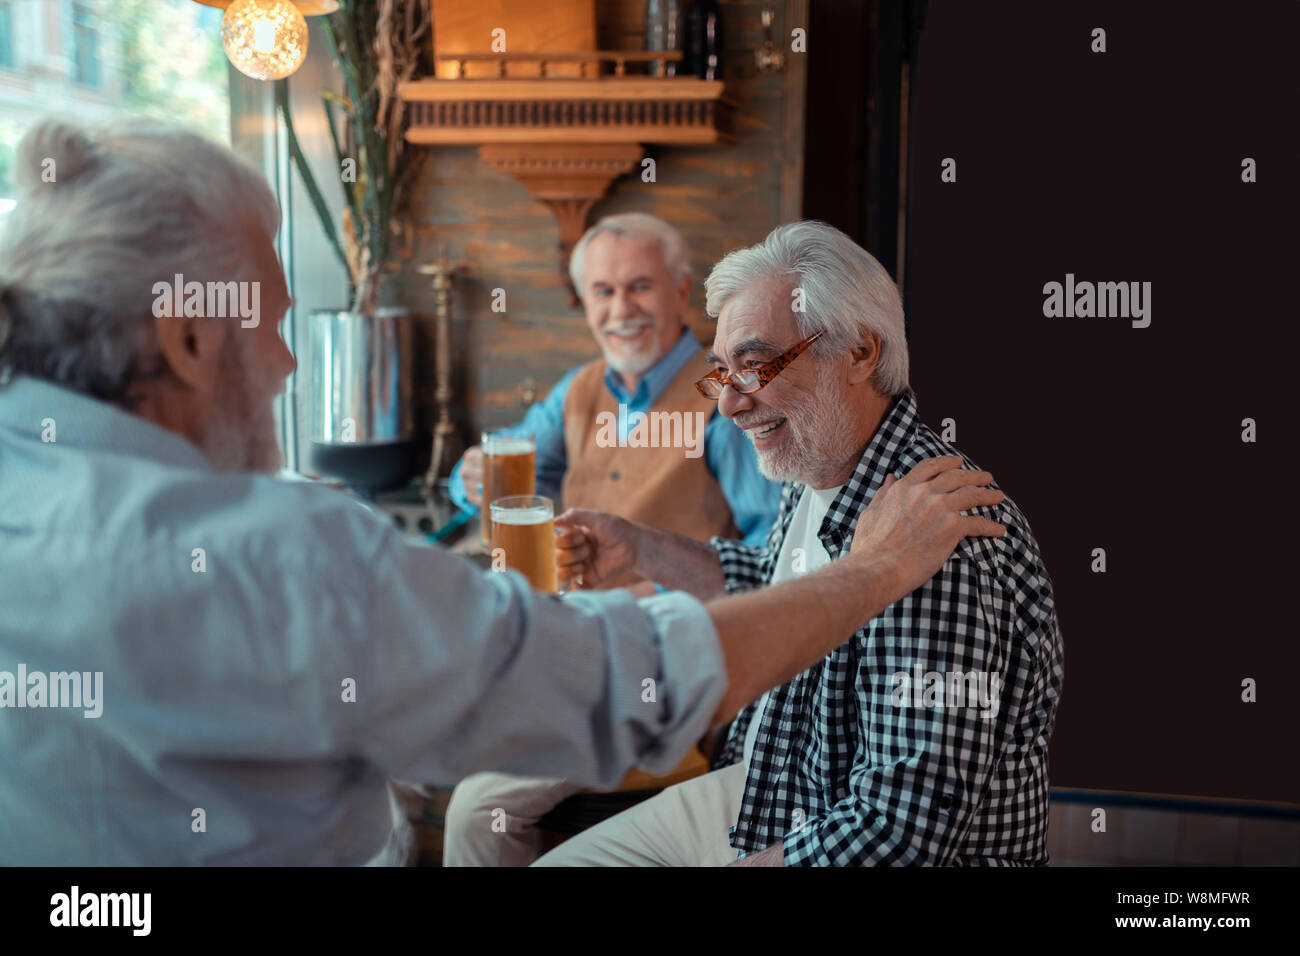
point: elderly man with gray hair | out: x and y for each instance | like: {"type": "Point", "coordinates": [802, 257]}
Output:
{"type": "Point", "coordinates": [921, 740]}
{"type": "Point", "coordinates": [266, 655]}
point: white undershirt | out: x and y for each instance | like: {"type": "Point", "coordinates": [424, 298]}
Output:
{"type": "Point", "coordinates": [806, 521]}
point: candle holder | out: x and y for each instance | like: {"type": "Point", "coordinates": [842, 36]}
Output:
{"type": "Point", "coordinates": [445, 443]}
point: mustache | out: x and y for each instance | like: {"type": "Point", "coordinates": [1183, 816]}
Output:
{"type": "Point", "coordinates": [626, 325]}
{"type": "Point", "coordinates": [756, 418]}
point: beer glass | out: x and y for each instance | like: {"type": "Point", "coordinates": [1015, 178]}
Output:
{"type": "Point", "coordinates": [523, 527]}
{"type": "Point", "coordinates": [509, 468]}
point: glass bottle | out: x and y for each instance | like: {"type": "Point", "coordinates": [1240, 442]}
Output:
{"type": "Point", "coordinates": [656, 28]}
{"type": "Point", "coordinates": [704, 40]}
{"type": "Point", "coordinates": [674, 26]}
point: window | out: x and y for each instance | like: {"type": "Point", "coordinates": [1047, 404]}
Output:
{"type": "Point", "coordinates": [85, 45]}
{"type": "Point", "coordinates": [6, 35]}
{"type": "Point", "coordinates": [156, 58]}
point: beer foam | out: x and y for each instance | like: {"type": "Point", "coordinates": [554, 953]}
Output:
{"type": "Point", "coordinates": [510, 446]}
{"type": "Point", "coordinates": [533, 515]}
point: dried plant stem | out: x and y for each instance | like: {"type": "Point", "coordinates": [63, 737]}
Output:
{"type": "Point", "coordinates": [377, 45]}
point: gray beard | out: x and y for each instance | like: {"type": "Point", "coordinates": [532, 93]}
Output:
{"type": "Point", "coordinates": [234, 444]}
{"type": "Point", "coordinates": [637, 365]}
{"type": "Point", "coordinates": [821, 439]}
{"type": "Point", "coordinates": [241, 436]}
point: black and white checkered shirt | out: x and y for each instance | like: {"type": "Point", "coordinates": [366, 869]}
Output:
{"type": "Point", "coordinates": [883, 753]}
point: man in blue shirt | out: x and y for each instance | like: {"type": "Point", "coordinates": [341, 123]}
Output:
{"type": "Point", "coordinates": [633, 274]}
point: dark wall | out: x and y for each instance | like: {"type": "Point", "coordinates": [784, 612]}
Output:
{"type": "Point", "coordinates": [837, 116]}
{"type": "Point", "coordinates": [1127, 166]}
{"type": "Point", "coordinates": [856, 123]}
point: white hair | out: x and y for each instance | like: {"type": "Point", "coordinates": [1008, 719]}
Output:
{"type": "Point", "coordinates": [101, 216]}
{"type": "Point", "coordinates": [634, 225]}
{"type": "Point", "coordinates": [846, 292]}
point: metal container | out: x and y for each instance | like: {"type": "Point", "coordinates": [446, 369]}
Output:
{"type": "Point", "coordinates": [360, 381]}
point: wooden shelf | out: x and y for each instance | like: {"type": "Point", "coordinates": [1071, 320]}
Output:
{"type": "Point", "coordinates": [585, 62]}
{"type": "Point", "coordinates": [563, 88]}
{"type": "Point", "coordinates": [472, 136]}
{"type": "Point", "coordinates": [683, 112]}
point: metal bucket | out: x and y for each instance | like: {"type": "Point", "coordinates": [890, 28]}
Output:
{"type": "Point", "coordinates": [360, 381]}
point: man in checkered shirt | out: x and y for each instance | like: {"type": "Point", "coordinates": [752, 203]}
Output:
{"type": "Point", "coordinates": [923, 739]}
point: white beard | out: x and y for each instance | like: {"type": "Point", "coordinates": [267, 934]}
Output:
{"type": "Point", "coordinates": [633, 363]}
{"type": "Point", "coordinates": [242, 434]}
{"type": "Point", "coordinates": [636, 364]}
{"type": "Point", "coordinates": [822, 435]}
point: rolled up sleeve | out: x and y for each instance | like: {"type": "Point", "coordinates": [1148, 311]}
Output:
{"type": "Point", "coordinates": [694, 676]}
{"type": "Point", "coordinates": [471, 671]}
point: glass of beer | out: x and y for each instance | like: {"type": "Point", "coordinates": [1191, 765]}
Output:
{"type": "Point", "coordinates": [509, 468]}
{"type": "Point", "coordinates": [523, 527]}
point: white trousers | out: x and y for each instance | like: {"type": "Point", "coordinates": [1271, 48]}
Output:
{"type": "Point", "coordinates": [492, 818]}
{"type": "Point", "coordinates": [685, 825]}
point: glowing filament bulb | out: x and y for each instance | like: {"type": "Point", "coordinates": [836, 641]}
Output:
{"type": "Point", "coordinates": [264, 39]}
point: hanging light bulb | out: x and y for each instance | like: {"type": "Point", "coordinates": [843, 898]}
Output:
{"type": "Point", "coordinates": [264, 39]}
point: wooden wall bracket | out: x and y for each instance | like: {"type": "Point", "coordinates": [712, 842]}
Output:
{"type": "Point", "coordinates": [567, 178]}
{"type": "Point", "coordinates": [566, 140]}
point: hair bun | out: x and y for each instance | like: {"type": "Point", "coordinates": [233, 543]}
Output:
{"type": "Point", "coordinates": [66, 145]}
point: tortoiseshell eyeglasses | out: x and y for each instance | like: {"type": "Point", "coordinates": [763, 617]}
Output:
{"type": "Point", "coordinates": [749, 380]}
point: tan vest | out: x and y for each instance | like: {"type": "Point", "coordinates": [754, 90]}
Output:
{"type": "Point", "coordinates": [660, 486]}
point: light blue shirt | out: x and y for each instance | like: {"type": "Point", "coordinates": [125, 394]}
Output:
{"type": "Point", "coordinates": [230, 613]}
{"type": "Point", "coordinates": [730, 457]}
